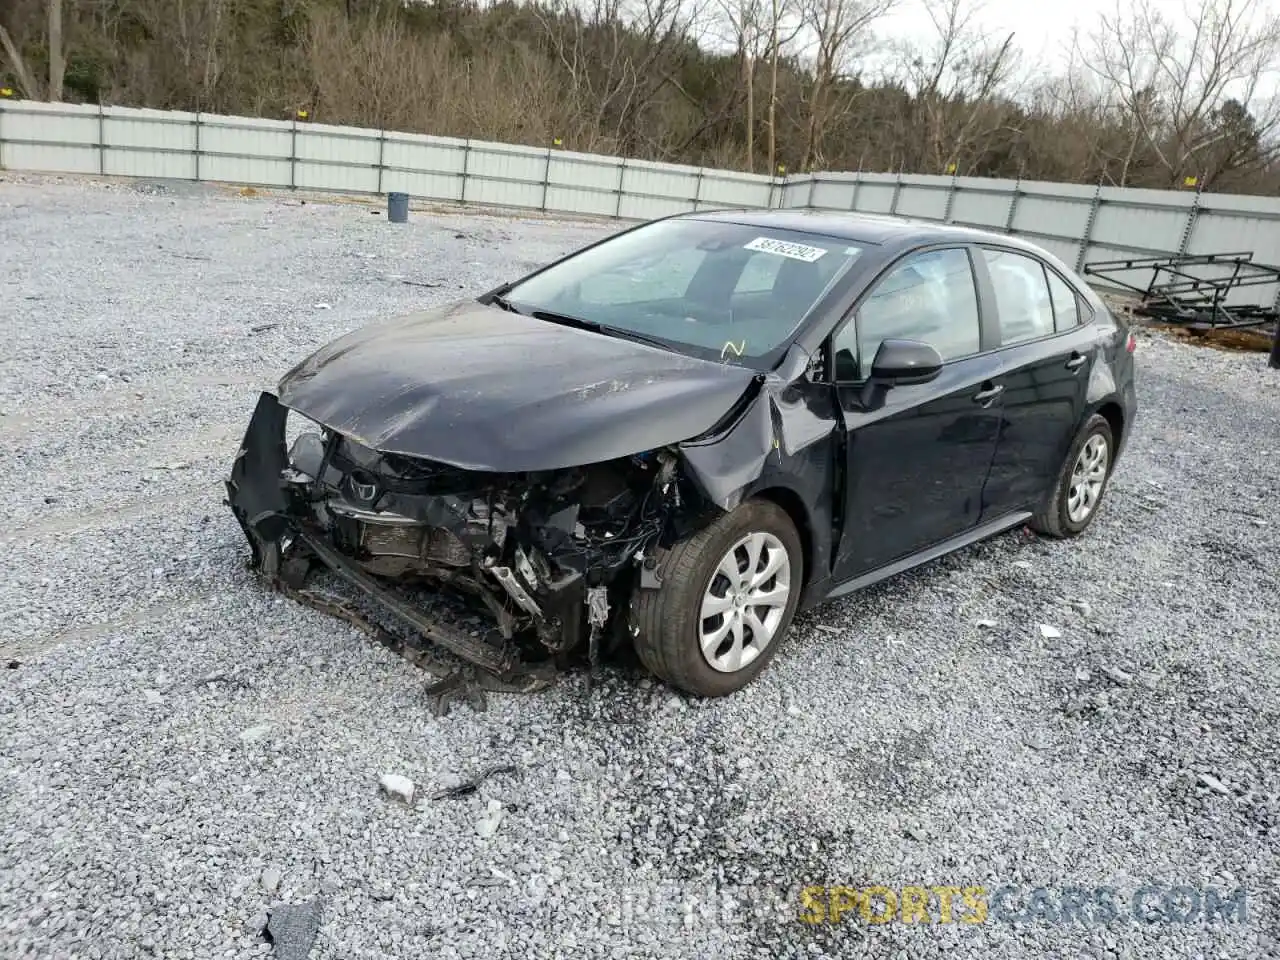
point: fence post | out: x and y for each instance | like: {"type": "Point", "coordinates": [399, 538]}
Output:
{"type": "Point", "coordinates": [813, 184]}
{"type": "Point", "coordinates": [857, 184]}
{"type": "Point", "coordinates": [197, 146]}
{"type": "Point", "coordinates": [897, 192]}
{"type": "Point", "coordinates": [622, 175]}
{"type": "Point", "coordinates": [1193, 214]}
{"type": "Point", "coordinates": [1, 138]}
{"type": "Point", "coordinates": [697, 189]}
{"type": "Point", "coordinates": [1012, 213]}
{"type": "Point", "coordinates": [546, 181]}
{"type": "Point", "coordinates": [1088, 226]}
{"type": "Point", "coordinates": [293, 154]}
{"type": "Point", "coordinates": [466, 166]}
{"type": "Point", "coordinates": [102, 141]}
{"type": "Point", "coordinates": [382, 152]}
{"type": "Point", "coordinates": [951, 199]}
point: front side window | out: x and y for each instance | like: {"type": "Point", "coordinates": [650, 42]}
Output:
{"type": "Point", "coordinates": [708, 288]}
{"type": "Point", "coordinates": [927, 296]}
{"type": "Point", "coordinates": [1022, 295]}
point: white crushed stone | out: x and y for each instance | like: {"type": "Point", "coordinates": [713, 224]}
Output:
{"type": "Point", "coordinates": [136, 828]}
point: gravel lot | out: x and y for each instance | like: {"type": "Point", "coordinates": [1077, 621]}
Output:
{"type": "Point", "coordinates": [148, 810]}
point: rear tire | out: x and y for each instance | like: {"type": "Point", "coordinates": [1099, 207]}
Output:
{"type": "Point", "coordinates": [727, 598]}
{"type": "Point", "coordinates": [1082, 481]}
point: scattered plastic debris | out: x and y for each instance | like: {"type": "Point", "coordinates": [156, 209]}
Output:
{"type": "Point", "coordinates": [488, 825]}
{"type": "Point", "coordinates": [397, 787]}
{"type": "Point", "coordinates": [1213, 783]}
{"type": "Point", "coordinates": [1116, 675]}
{"type": "Point", "coordinates": [271, 878]}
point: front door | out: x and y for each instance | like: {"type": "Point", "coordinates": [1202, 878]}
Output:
{"type": "Point", "coordinates": [917, 463]}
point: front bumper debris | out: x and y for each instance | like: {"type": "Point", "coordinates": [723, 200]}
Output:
{"type": "Point", "coordinates": [381, 523]}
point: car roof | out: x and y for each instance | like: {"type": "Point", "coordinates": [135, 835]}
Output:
{"type": "Point", "coordinates": [881, 230]}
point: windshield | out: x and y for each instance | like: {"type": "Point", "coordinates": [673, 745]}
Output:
{"type": "Point", "coordinates": [717, 290]}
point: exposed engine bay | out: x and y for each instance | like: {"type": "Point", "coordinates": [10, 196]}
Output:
{"type": "Point", "coordinates": [518, 568]}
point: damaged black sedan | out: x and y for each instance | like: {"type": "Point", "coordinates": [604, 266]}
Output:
{"type": "Point", "coordinates": [679, 436]}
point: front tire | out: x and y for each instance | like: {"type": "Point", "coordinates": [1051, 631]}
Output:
{"type": "Point", "coordinates": [727, 598]}
{"type": "Point", "coordinates": [1078, 490]}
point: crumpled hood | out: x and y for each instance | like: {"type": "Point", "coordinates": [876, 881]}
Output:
{"type": "Point", "coordinates": [486, 389]}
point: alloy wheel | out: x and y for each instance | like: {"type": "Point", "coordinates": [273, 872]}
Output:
{"type": "Point", "coordinates": [1087, 477]}
{"type": "Point", "coordinates": [744, 603]}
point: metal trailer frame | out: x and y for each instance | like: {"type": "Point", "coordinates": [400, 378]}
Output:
{"type": "Point", "coordinates": [1177, 295]}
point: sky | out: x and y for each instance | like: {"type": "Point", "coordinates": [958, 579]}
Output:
{"type": "Point", "coordinates": [1042, 28]}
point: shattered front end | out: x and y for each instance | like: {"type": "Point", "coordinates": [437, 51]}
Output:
{"type": "Point", "coordinates": [507, 571]}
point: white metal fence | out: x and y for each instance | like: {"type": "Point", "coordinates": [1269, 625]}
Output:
{"type": "Point", "coordinates": [1078, 223]}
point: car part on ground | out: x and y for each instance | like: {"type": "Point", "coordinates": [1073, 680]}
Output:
{"type": "Point", "coordinates": [1195, 291]}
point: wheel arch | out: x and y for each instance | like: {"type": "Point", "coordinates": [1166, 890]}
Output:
{"type": "Point", "coordinates": [1113, 413]}
{"type": "Point", "coordinates": [793, 505]}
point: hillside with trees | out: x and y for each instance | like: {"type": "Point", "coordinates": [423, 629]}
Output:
{"type": "Point", "coordinates": [1152, 95]}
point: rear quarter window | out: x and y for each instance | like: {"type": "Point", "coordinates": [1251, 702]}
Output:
{"type": "Point", "coordinates": [1067, 305]}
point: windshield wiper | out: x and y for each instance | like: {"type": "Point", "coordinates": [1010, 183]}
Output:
{"type": "Point", "coordinates": [498, 300]}
{"type": "Point", "coordinates": [597, 327]}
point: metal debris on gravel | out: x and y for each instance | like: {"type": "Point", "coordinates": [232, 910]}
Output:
{"type": "Point", "coordinates": [950, 756]}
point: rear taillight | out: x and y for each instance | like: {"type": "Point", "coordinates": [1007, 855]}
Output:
{"type": "Point", "coordinates": [1131, 344]}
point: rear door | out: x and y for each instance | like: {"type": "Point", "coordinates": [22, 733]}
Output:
{"type": "Point", "coordinates": [1047, 354]}
{"type": "Point", "coordinates": [916, 464]}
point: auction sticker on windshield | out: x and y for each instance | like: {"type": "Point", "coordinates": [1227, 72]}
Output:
{"type": "Point", "coordinates": [796, 251]}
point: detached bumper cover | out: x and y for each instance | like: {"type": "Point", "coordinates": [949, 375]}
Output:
{"type": "Point", "coordinates": [254, 491]}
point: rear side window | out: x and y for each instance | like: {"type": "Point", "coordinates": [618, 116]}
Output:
{"type": "Point", "coordinates": [1066, 305]}
{"type": "Point", "coordinates": [1022, 296]}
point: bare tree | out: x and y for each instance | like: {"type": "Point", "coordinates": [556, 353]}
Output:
{"type": "Point", "coordinates": [784, 27]}
{"type": "Point", "coordinates": [839, 28]}
{"type": "Point", "coordinates": [19, 65]}
{"type": "Point", "coordinates": [616, 59]}
{"type": "Point", "coordinates": [57, 65]}
{"type": "Point", "coordinates": [1170, 84]}
{"type": "Point", "coordinates": [746, 27]}
{"type": "Point", "coordinates": [957, 81]}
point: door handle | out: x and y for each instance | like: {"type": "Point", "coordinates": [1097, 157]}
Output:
{"type": "Point", "coordinates": [988, 393]}
{"type": "Point", "coordinates": [1077, 361]}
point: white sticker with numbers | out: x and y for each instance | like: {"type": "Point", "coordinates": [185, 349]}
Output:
{"type": "Point", "coordinates": [795, 251]}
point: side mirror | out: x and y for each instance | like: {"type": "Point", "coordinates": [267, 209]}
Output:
{"type": "Point", "coordinates": [899, 362]}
